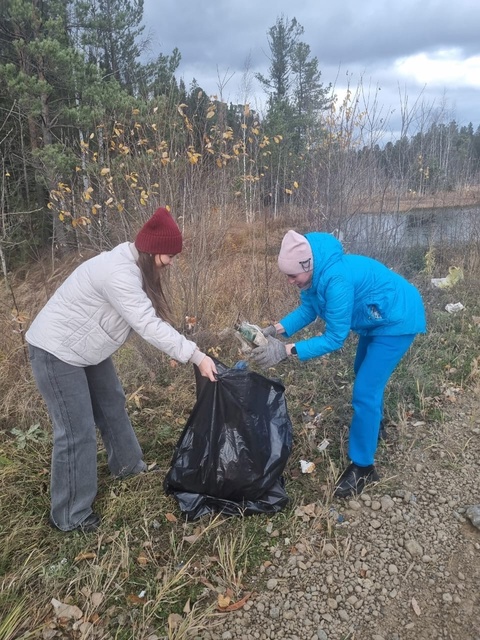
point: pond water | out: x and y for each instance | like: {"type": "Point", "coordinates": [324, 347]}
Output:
{"type": "Point", "coordinates": [370, 233]}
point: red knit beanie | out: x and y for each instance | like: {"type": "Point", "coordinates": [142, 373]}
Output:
{"type": "Point", "coordinates": [160, 235]}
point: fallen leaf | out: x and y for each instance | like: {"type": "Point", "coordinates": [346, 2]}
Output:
{"type": "Point", "coordinates": [223, 601]}
{"type": "Point", "coordinates": [187, 608]}
{"type": "Point", "coordinates": [108, 539]}
{"type": "Point", "coordinates": [86, 555]}
{"type": "Point", "coordinates": [174, 619]}
{"type": "Point", "coordinates": [191, 539]}
{"type": "Point", "coordinates": [132, 598]}
{"type": "Point", "coordinates": [142, 559]}
{"type": "Point", "coordinates": [170, 517]}
{"type": "Point", "coordinates": [97, 598]}
{"type": "Point", "coordinates": [205, 582]}
{"type": "Point", "coordinates": [237, 605]}
{"type": "Point", "coordinates": [415, 607]}
{"type": "Point", "coordinates": [67, 611]}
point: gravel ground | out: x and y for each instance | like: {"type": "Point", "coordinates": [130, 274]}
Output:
{"type": "Point", "coordinates": [402, 560]}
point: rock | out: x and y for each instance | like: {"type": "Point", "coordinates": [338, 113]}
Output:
{"type": "Point", "coordinates": [473, 514]}
{"type": "Point", "coordinates": [354, 505]}
{"type": "Point", "coordinates": [387, 503]}
{"type": "Point", "coordinates": [329, 550]}
{"type": "Point", "coordinates": [413, 548]}
{"type": "Point", "coordinates": [272, 583]}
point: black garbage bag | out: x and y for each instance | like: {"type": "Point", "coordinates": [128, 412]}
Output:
{"type": "Point", "coordinates": [234, 447]}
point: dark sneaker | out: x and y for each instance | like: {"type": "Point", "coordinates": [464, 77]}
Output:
{"type": "Point", "coordinates": [354, 479]}
{"type": "Point", "coordinates": [91, 523]}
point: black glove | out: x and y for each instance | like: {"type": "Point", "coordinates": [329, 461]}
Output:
{"type": "Point", "coordinates": [271, 354]}
{"type": "Point", "coordinates": [269, 331]}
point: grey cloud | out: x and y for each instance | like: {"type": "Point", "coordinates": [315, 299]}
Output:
{"type": "Point", "coordinates": [361, 38]}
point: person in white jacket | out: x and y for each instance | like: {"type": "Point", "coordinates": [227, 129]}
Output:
{"type": "Point", "coordinates": [71, 342]}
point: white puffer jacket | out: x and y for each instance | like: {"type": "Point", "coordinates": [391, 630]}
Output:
{"type": "Point", "coordinates": [92, 313]}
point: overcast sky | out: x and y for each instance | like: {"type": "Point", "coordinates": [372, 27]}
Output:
{"type": "Point", "coordinates": [428, 50]}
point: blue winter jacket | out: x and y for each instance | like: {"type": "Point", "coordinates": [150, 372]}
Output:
{"type": "Point", "coordinates": [351, 292]}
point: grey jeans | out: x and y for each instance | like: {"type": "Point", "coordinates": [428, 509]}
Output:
{"type": "Point", "coordinates": [79, 399]}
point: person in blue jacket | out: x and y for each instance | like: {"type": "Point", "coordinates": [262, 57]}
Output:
{"type": "Point", "coordinates": [349, 293]}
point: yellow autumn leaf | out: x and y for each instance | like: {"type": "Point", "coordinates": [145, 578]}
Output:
{"type": "Point", "coordinates": [223, 601]}
{"type": "Point", "coordinates": [288, 191]}
{"type": "Point", "coordinates": [92, 135]}
{"type": "Point", "coordinates": [295, 184]}
{"type": "Point", "coordinates": [135, 112]}
{"type": "Point", "coordinates": [104, 171]}
{"type": "Point", "coordinates": [109, 201]}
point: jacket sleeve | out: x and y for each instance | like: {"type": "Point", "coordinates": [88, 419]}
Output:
{"type": "Point", "coordinates": [123, 290]}
{"type": "Point", "coordinates": [299, 318]}
{"type": "Point", "coordinates": [339, 296]}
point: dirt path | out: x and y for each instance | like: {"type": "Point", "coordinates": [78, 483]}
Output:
{"type": "Point", "coordinates": [403, 560]}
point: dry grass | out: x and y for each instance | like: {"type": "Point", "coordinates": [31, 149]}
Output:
{"type": "Point", "coordinates": [146, 571]}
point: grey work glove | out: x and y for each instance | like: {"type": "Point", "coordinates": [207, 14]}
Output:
{"type": "Point", "coordinates": [269, 331]}
{"type": "Point", "coordinates": [271, 354]}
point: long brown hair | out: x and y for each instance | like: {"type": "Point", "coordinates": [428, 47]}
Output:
{"type": "Point", "coordinates": [152, 285]}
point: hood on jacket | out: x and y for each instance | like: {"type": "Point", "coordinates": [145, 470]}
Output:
{"type": "Point", "coordinates": [326, 251]}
